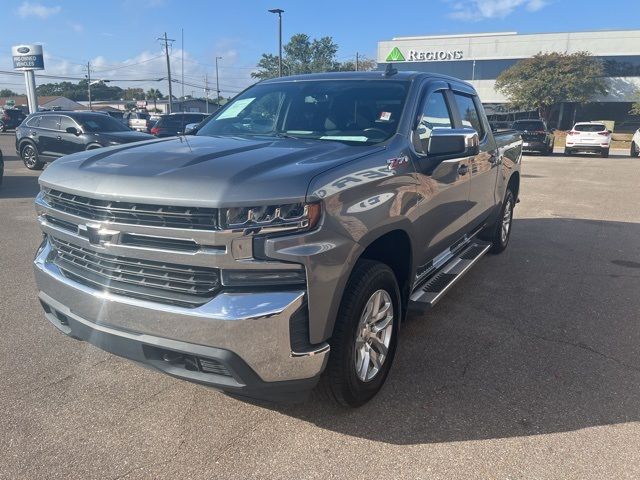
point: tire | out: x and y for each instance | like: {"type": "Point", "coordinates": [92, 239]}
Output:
{"type": "Point", "coordinates": [343, 380]}
{"type": "Point", "coordinates": [549, 150]}
{"type": "Point", "coordinates": [496, 234]}
{"type": "Point", "coordinates": [605, 153]}
{"type": "Point", "coordinates": [635, 150]}
{"type": "Point", "coordinates": [30, 158]}
{"type": "Point", "coordinates": [567, 151]}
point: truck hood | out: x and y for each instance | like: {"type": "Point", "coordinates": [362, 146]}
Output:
{"type": "Point", "coordinates": [201, 171]}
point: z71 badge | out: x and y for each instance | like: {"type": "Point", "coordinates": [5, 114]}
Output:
{"type": "Point", "coordinates": [397, 162]}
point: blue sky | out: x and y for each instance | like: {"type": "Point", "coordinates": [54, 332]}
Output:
{"type": "Point", "coordinates": [116, 34]}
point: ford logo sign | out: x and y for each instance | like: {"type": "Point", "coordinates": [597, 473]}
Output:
{"type": "Point", "coordinates": [23, 50]}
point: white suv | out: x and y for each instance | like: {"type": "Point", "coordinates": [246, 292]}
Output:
{"type": "Point", "coordinates": [588, 137]}
{"type": "Point", "coordinates": [635, 144]}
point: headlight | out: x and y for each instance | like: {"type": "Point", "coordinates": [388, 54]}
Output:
{"type": "Point", "coordinates": [274, 218]}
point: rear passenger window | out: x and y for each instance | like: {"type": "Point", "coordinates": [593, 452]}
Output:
{"type": "Point", "coordinates": [50, 121]}
{"type": "Point", "coordinates": [469, 113]}
{"type": "Point", "coordinates": [435, 114]}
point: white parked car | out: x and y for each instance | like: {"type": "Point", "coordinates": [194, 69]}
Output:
{"type": "Point", "coordinates": [588, 137]}
{"type": "Point", "coordinates": [635, 144]}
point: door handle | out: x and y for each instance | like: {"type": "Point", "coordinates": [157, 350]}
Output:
{"type": "Point", "coordinates": [59, 137]}
{"type": "Point", "coordinates": [463, 169]}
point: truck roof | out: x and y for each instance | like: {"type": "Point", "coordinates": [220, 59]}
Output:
{"type": "Point", "coordinates": [407, 76]}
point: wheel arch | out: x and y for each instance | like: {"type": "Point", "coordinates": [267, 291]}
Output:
{"type": "Point", "coordinates": [514, 184]}
{"type": "Point", "coordinates": [27, 141]}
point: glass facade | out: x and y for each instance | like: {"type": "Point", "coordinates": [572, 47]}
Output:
{"type": "Point", "coordinates": [614, 66]}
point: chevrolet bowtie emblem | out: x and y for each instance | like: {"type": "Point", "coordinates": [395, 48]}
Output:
{"type": "Point", "coordinates": [96, 234]}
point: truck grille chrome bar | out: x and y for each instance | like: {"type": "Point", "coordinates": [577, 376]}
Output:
{"type": "Point", "coordinates": [157, 281]}
{"type": "Point", "coordinates": [133, 213]}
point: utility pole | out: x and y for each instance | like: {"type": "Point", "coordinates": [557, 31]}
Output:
{"type": "Point", "coordinates": [89, 83]}
{"type": "Point", "coordinates": [279, 11]}
{"type": "Point", "coordinates": [217, 84]}
{"type": "Point", "coordinates": [166, 50]}
{"type": "Point", "coordinates": [182, 50]}
{"type": "Point", "coordinates": [206, 91]}
{"type": "Point", "coordinates": [357, 61]}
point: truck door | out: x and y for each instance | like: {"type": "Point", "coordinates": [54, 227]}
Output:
{"type": "Point", "coordinates": [443, 184]}
{"type": "Point", "coordinates": [483, 171]}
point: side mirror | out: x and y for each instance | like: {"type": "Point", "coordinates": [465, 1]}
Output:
{"type": "Point", "coordinates": [73, 130]}
{"type": "Point", "coordinates": [190, 128]}
{"type": "Point", "coordinates": [452, 143]}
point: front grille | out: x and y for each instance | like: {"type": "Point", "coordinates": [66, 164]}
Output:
{"type": "Point", "coordinates": [151, 280]}
{"type": "Point", "coordinates": [133, 213]}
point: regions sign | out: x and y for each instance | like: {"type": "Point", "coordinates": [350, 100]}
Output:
{"type": "Point", "coordinates": [27, 57]}
{"type": "Point", "coordinates": [424, 56]}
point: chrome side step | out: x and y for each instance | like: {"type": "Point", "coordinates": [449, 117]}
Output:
{"type": "Point", "coordinates": [429, 292]}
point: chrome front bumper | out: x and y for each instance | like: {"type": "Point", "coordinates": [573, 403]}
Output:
{"type": "Point", "coordinates": [252, 328]}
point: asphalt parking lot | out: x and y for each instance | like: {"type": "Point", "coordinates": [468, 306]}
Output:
{"type": "Point", "coordinates": [528, 368]}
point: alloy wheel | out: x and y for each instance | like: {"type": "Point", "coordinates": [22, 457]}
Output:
{"type": "Point", "coordinates": [506, 221]}
{"type": "Point", "coordinates": [29, 156]}
{"type": "Point", "coordinates": [373, 335]}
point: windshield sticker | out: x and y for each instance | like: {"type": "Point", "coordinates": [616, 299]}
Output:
{"type": "Point", "coordinates": [235, 108]}
{"type": "Point", "coordinates": [385, 116]}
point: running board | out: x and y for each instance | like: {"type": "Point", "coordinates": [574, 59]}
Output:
{"type": "Point", "coordinates": [428, 294]}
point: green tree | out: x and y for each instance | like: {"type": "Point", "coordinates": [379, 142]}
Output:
{"type": "Point", "coordinates": [133, 93]}
{"type": "Point", "coordinates": [300, 55]}
{"type": "Point", "coordinates": [547, 79]}
{"type": "Point", "coordinates": [155, 95]}
{"type": "Point", "coordinates": [364, 65]}
{"type": "Point", "coordinates": [6, 92]}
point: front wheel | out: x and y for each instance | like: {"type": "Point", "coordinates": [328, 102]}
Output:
{"type": "Point", "coordinates": [365, 335]}
{"type": "Point", "coordinates": [635, 150]}
{"type": "Point", "coordinates": [30, 157]}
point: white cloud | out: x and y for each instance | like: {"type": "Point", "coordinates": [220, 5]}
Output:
{"type": "Point", "coordinates": [28, 9]}
{"type": "Point", "coordinates": [76, 27]}
{"type": "Point", "coordinates": [476, 10]}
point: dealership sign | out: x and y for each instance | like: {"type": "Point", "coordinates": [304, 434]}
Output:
{"type": "Point", "coordinates": [423, 56]}
{"type": "Point", "coordinates": [27, 57]}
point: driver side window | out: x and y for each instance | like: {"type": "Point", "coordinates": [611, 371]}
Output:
{"type": "Point", "coordinates": [435, 114]}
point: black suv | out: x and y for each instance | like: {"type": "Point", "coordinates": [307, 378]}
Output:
{"type": "Point", "coordinates": [535, 135]}
{"type": "Point", "coordinates": [10, 118]}
{"type": "Point", "coordinates": [175, 123]}
{"type": "Point", "coordinates": [46, 136]}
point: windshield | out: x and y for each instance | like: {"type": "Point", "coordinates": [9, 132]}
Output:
{"type": "Point", "coordinates": [352, 111]}
{"type": "Point", "coordinates": [101, 123]}
{"type": "Point", "coordinates": [528, 125]}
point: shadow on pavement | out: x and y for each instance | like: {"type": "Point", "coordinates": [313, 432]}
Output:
{"type": "Point", "coordinates": [19, 186]}
{"type": "Point", "coordinates": [541, 339]}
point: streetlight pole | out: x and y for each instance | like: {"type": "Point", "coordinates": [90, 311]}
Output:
{"type": "Point", "coordinates": [217, 84]}
{"type": "Point", "coordinates": [279, 11]}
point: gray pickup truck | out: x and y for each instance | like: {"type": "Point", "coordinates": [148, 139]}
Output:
{"type": "Point", "coordinates": [278, 248]}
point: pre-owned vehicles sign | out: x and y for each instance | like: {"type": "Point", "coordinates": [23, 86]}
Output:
{"type": "Point", "coordinates": [27, 57]}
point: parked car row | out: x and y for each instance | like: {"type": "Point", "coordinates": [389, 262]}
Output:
{"type": "Point", "coordinates": [45, 136]}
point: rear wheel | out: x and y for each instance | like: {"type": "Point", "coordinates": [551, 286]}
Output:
{"type": "Point", "coordinates": [30, 157]}
{"type": "Point", "coordinates": [568, 151]}
{"type": "Point", "coordinates": [365, 335]}
{"type": "Point", "coordinates": [605, 153]}
{"type": "Point", "coordinates": [500, 232]}
{"type": "Point", "coordinates": [635, 150]}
